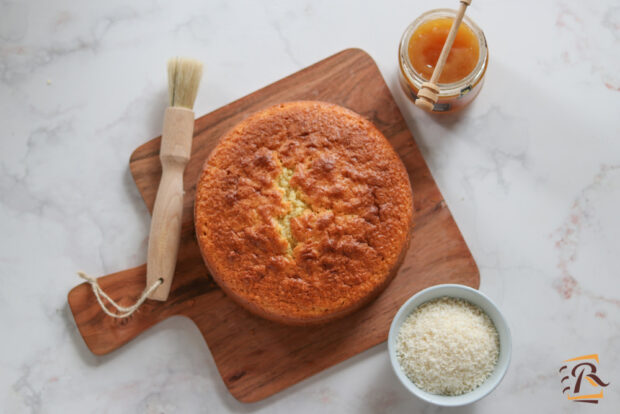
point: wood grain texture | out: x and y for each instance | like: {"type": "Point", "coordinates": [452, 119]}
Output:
{"type": "Point", "coordinates": [257, 358]}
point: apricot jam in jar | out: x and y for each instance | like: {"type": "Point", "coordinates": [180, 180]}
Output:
{"type": "Point", "coordinates": [462, 76]}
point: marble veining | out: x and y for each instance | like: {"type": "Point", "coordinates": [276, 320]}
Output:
{"type": "Point", "coordinates": [531, 173]}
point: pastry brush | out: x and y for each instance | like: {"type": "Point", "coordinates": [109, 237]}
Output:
{"type": "Point", "coordinates": [176, 144]}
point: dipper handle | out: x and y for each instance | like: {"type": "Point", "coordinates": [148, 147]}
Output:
{"type": "Point", "coordinates": [429, 92]}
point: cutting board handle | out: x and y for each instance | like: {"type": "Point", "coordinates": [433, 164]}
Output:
{"type": "Point", "coordinates": [104, 334]}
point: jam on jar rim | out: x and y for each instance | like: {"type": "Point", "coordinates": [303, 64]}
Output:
{"type": "Point", "coordinates": [455, 89]}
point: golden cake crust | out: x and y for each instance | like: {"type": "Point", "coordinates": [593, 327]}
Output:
{"type": "Point", "coordinates": [303, 212]}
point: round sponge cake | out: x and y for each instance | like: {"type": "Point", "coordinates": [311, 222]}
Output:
{"type": "Point", "coordinates": [303, 212]}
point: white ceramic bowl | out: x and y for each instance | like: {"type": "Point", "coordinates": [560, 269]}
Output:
{"type": "Point", "coordinates": [478, 299]}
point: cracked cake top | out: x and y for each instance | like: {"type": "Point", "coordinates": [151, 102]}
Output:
{"type": "Point", "coordinates": [303, 212]}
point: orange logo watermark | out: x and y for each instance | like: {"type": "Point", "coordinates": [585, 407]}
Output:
{"type": "Point", "coordinates": [577, 371]}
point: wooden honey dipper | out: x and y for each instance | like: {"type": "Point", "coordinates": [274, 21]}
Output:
{"type": "Point", "coordinates": [429, 92]}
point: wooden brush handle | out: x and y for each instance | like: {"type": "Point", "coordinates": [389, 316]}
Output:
{"type": "Point", "coordinates": [429, 92]}
{"type": "Point", "coordinates": [176, 145]}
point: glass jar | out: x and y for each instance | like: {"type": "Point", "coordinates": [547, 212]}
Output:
{"type": "Point", "coordinates": [452, 96]}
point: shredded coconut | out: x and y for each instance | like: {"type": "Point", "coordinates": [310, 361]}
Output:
{"type": "Point", "coordinates": [448, 346]}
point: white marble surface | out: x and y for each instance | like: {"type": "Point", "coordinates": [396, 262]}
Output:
{"type": "Point", "coordinates": [531, 174]}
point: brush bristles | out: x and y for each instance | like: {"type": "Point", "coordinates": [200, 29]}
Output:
{"type": "Point", "coordinates": [183, 80]}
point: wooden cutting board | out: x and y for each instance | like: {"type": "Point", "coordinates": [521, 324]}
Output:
{"type": "Point", "coordinates": [257, 358]}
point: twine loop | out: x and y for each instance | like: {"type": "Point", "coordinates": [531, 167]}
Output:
{"type": "Point", "coordinates": [121, 311]}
